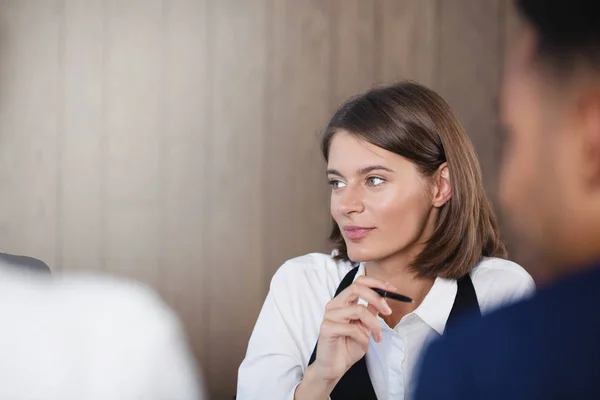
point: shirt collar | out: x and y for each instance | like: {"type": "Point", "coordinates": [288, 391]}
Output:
{"type": "Point", "coordinates": [437, 304]}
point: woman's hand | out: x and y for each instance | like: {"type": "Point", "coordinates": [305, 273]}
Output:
{"type": "Point", "coordinates": [344, 335]}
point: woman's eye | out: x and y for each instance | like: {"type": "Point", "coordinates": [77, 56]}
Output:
{"type": "Point", "coordinates": [336, 184]}
{"type": "Point", "coordinates": [374, 181]}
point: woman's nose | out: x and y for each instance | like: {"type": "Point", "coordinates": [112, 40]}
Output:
{"type": "Point", "coordinates": [350, 201]}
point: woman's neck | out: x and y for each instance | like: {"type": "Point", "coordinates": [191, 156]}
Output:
{"type": "Point", "coordinates": [397, 271]}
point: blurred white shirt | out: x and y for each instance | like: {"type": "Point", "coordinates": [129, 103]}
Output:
{"type": "Point", "coordinates": [288, 325]}
{"type": "Point", "coordinates": [90, 339]}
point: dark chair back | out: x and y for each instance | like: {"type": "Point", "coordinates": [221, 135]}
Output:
{"type": "Point", "coordinates": [29, 263]}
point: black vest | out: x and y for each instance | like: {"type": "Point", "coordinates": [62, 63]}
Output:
{"type": "Point", "coordinates": [356, 383]}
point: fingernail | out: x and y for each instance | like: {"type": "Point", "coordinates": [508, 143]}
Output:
{"type": "Point", "coordinates": [388, 310]}
{"type": "Point", "coordinates": [390, 286]}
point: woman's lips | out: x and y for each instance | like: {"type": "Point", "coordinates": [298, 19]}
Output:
{"type": "Point", "coordinates": [356, 232]}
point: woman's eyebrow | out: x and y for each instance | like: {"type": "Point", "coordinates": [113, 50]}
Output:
{"type": "Point", "coordinates": [362, 171]}
{"type": "Point", "coordinates": [371, 168]}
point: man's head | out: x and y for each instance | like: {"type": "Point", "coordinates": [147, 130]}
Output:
{"type": "Point", "coordinates": [550, 180]}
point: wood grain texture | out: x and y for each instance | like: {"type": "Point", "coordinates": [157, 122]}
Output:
{"type": "Point", "coordinates": [353, 53]}
{"type": "Point", "coordinates": [176, 142]}
{"type": "Point", "coordinates": [185, 172]}
{"type": "Point", "coordinates": [299, 98]}
{"type": "Point", "coordinates": [235, 257]}
{"type": "Point", "coordinates": [31, 126]}
{"type": "Point", "coordinates": [81, 187]}
{"type": "Point", "coordinates": [470, 64]}
{"type": "Point", "coordinates": [134, 126]}
{"type": "Point", "coordinates": [407, 40]}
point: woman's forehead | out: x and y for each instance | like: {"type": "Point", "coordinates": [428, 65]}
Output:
{"type": "Point", "coordinates": [351, 154]}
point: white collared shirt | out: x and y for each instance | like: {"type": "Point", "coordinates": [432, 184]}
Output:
{"type": "Point", "coordinates": [288, 326]}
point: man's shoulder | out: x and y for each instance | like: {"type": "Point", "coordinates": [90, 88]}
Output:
{"type": "Point", "coordinates": [101, 328]}
{"type": "Point", "coordinates": [554, 311]}
{"type": "Point", "coordinates": [523, 332]}
{"type": "Point", "coordinates": [544, 345]}
{"type": "Point", "coordinates": [86, 303]}
{"type": "Point", "coordinates": [505, 323]}
{"type": "Point", "coordinates": [479, 352]}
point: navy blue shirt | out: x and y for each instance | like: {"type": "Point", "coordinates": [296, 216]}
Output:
{"type": "Point", "coordinates": [546, 347]}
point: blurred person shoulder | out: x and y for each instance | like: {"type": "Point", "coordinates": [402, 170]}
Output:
{"type": "Point", "coordinates": [518, 351]}
{"type": "Point", "coordinates": [116, 336]}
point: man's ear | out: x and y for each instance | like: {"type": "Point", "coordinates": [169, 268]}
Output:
{"type": "Point", "coordinates": [442, 186]}
{"type": "Point", "coordinates": [588, 117]}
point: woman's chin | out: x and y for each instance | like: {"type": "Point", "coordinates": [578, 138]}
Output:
{"type": "Point", "coordinates": [361, 255]}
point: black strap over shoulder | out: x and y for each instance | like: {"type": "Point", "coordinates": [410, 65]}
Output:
{"type": "Point", "coordinates": [356, 383]}
{"type": "Point", "coordinates": [464, 302]}
{"type": "Point", "coordinates": [347, 281]}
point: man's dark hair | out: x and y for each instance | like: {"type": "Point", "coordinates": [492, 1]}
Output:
{"type": "Point", "coordinates": [568, 32]}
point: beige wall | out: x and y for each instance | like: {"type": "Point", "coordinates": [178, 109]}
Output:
{"type": "Point", "coordinates": [176, 141]}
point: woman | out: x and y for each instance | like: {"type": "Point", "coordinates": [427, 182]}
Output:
{"type": "Point", "coordinates": [410, 216]}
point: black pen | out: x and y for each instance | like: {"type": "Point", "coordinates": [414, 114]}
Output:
{"type": "Point", "coordinates": [393, 296]}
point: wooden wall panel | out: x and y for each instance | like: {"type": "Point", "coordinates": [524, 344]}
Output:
{"type": "Point", "coordinates": [81, 187]}
{"type": "Point", "coordinates": [407, 40]}
{"type": "Point", "coordinates": [183, 272]}
{"type": "Point", "coordinates": [474, 31]}
{"type": "Point", "coordinates": [177, 141]}
{"type": "Point", "coordinates": [133, 127]}
{"type": "Point", "coordinates": [353, 57]}
{"type": "Point", "coordinates": [235, 211]}
{"type": "Point", "coordinates": [31, 126]}
{"type": "Point", "coordinates": [296, 194]}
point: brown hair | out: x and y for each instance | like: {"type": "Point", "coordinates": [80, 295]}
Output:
{"type": "Point", "coordinates": [416, 123]}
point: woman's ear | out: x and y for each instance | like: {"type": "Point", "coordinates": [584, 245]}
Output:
{"type": "Point", "coordinates": [442, 186]}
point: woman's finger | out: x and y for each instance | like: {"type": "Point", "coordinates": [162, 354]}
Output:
{"type": "Point", "coordinates": [356, 312]}
{"type": "Point", "coordinates": [357, 290]}
{"type": "Point", "coordinates": [373, 309]}
{"type": "Point", "coordinates": [331, 330]}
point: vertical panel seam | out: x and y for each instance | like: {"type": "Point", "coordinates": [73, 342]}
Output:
{"type": "Point", "coordinates": [208, 199]}
{"type": "Point", "coordinates": [104, 140]}
{"type": "Point", "coordinates": [61, 137]}
{"type": "Point", "coordinates": [161, 186]}
{"type": "Point", "coordinates": [377, 41]}
{"type": "Point", "coordinates": [502, 33]}
{"type": "Point", "coordinates": [437, 57]}
{"type": "Point", "coordinates": [267, 115]}
{"type": "Point", "coordinates": [162, 153]}
{"type": "Point", "coordinates": [333, 53]}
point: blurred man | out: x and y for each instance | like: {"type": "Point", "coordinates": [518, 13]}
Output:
{"type": "Point", "coordinates": [89, 339]}
{"type": "Point", "coordinates": [549, 346]}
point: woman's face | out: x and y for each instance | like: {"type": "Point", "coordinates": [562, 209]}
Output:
{"type": "Point", "coordinates": [381, 203]}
